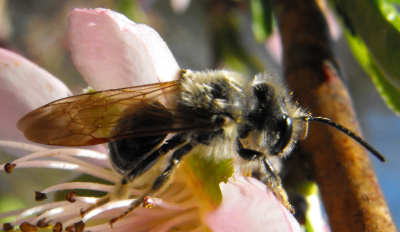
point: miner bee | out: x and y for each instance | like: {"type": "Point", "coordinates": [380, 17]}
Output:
{"type": "Point", "coordinates": [220, 112]}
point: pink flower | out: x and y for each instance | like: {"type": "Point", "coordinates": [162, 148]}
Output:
{"type": "Point", "coordinates": [110, 52]}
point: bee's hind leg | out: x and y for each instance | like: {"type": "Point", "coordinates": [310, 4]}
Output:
{"type": "Point", "coordinates": [120, 191]}
{"type": "Point", "coordinates": [161, 179]}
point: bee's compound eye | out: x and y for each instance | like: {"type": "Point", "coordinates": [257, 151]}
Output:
{"type": "Point", "coordinates": [285, 129]}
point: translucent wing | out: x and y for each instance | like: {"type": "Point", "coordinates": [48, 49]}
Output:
{"type": "Point", "coordinates": [108, 115]}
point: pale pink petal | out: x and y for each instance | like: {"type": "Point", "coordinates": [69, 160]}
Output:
{"type": "Point", "coordinates": [24, 86]}
{"type": "Point", "coordinates": [111, 51]}
{"type": "Point", "coordinates": [274, 46]}
{"type": "Point", "coordinates": [247, 205]}
{"type": "Point", "coordinates": [334, 27]}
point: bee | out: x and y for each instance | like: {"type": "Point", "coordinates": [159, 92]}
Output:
{"type": "Point", "coordinates": [222, 113]}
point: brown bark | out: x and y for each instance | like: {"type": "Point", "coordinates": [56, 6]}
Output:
{"type": "Point", "coordinates": [349, 188]}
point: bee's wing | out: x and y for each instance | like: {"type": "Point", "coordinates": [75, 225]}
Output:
{"type": "Point", "coordinates": [105, 116]}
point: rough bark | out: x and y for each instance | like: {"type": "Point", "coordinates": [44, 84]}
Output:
{"type": "Point", "coordinates": [342, 168]}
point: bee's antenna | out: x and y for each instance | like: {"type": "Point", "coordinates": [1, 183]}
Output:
{"type": "Point", "coordinates": [331, 123]}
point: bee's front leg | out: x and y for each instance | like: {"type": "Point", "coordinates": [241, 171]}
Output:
{"type": "Point", "coordinates": [270, 177]}
{"type": "Point", "coordinates": [273, 181]}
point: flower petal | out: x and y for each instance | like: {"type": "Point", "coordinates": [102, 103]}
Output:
{"type": "Point", "coordinates": [24, 86]}
{"type": "Point", "coordinates": [247, 205]}
{"type": "Point", "coordinates": [111, 51]}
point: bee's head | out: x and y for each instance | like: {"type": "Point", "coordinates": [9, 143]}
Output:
{"type": "Point", "coordinates": [279, 123]}
{"type": "Point", "coordinates": [271, 117]}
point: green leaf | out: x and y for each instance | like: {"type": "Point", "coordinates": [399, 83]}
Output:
{"type": "Point", "coordinates": [314, 219]}
{"type": "Point", "coordinates": [132, 10]}
{"type": "Point", "coordinates": [393, 1]}
{"type": "Point", "coordinates": [263, 23]}
{"type": "Point", "coordinates": [389, 93]}
{"type": "Point", "coordinates": [377, 23]}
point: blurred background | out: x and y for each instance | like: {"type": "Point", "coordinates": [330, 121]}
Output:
{"type": "Point", "coordinates": [37, 30]}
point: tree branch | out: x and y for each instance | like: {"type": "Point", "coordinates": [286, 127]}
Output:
{"type": "Point", "coordinates": [349, 188]}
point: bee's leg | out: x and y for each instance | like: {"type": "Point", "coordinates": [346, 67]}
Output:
{"type": "Point", "coordinates": [274, 182]}
{"type": "Point", "coordinates": [271, 178]}
{"type": "Point", "coordinates": [161, 179]}
{"type": "Point", "coordinates": [247, 154]}
{"type": "Point", "coordinates": [172, 143]}
{"type": "Point", "coordinates": [122, 190]}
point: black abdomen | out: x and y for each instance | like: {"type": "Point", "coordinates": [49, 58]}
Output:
{"type": "Point", "coordinates": [127, 154]}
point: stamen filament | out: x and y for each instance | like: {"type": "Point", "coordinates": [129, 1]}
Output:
{"type": "Point", "coordinates": [38, 209]}
{"type": "Point", "coordinates": [79, 185]}
{"type": "Point", "coordinates": [22, 146]}
{"type": "Point", "coordinates": [108, 206]}
{"type": "Point", "coordinates": [168, 205]}
{"type": "Point", "coordinates": [60, 212]}
{"type": "Point", "coordinates": [104, 174]}
{"type": "Point", "coordinates": [63, 152]}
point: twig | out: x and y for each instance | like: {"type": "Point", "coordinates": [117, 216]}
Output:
{"type": "Point", "coordinates": [349, 187]}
